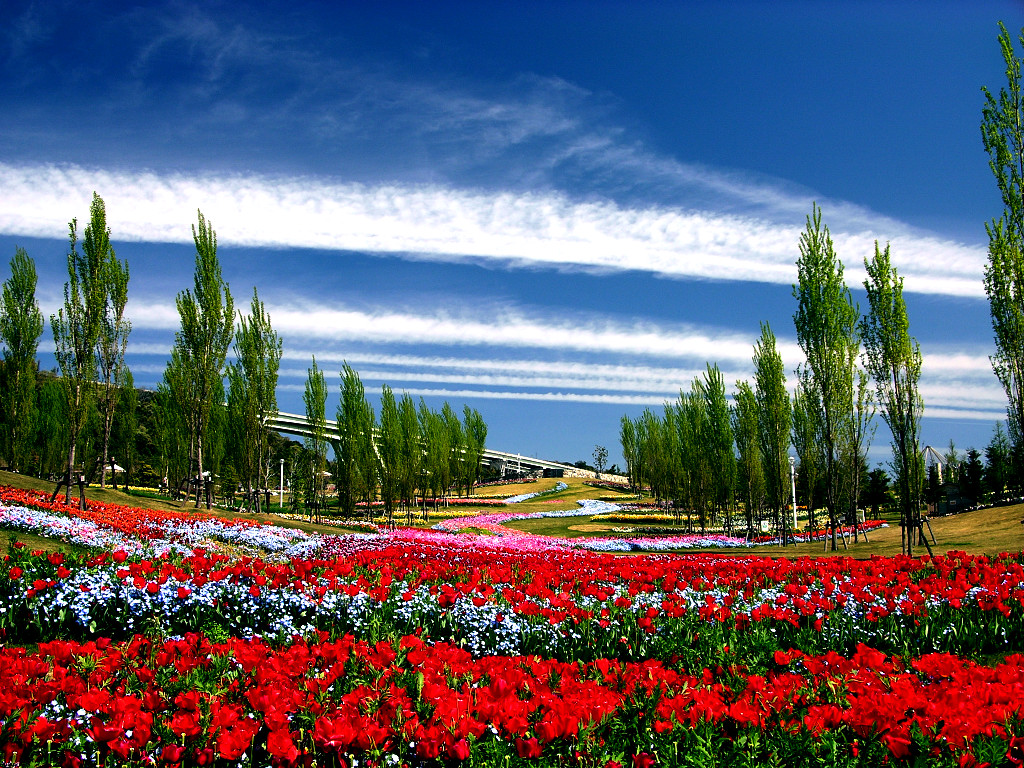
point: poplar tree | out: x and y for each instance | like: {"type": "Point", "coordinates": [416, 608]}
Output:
{"type": "Point", "coordinates": [389, 452]}
{"type": "Point", "coordinates": [893, 359]}
{"type": "Point", "coordinates": [627, 439]}
{"type": "Point", "coordinates": [774, 420]}
{"type": "Point", "coordinates": [748, 443]}
{"type": "Point", "coordinates": [76, 326]}
{"type": "Point", "coordinates": [357, 457]}
{"type": "Point", "coordinates": [807, 445]}
{"type": "Point", "coordinates": [207, 324]}
{"type": "Point", "coordinates": [315, 399]}
{"type": "Point", "coordinates": [252, 396]}
{"type": "Point", "coordinates": [173, 435]}
{"type": "Point", "coordinates": [411, 450]}
{"type": "Point", "coordinates": [716, 439]}
{"type": "Point", "coordinates": [456, 448]}
{"type": "Point", "coordinates": [474, 430]}
{"type": "Point", "coordinates": [1002, 134]}
{"type": "Point", "coordinates": [126, 423]}
{"type": "Point", "coordinates": [21, 325]}
{"type": "Point", "coordinates": [51, 420]}
{"type": "Point", "coordinates": [437, 449]}
{"type": "Point", "coordinates": [111, 345]}
{"type": "Point", "coordinates": [826, 329]}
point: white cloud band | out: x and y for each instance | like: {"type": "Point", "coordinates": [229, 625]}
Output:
{"type": "Point", "coordinates": [541, 230]}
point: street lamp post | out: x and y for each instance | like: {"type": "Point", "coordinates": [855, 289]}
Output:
{"type": "Point", "coordinates": [792, 481]}
{"type": "Point", "coordinates": [280, 488]}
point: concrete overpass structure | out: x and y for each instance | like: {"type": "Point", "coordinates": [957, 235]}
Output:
{"type": "Point", "coordinates": [499, 462]}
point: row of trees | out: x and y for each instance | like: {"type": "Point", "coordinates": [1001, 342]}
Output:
{"type": "Point", "coordinates": [704, 452]}
{"type": "Point", "coordinates": [830, 413]}
{"type": "Point", "coordinates": [409, 448]}
{"type": "Point", "coordinates": [193, 429]}
{"type": "Point", "coordinates": [99, 400]}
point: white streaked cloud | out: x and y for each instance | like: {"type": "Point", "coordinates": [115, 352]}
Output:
{"type": "Point", "coordinates": [487, 394]}
{"type": "Point", "coordinates": [485, 327]}
{"type": "Point", "coordinates": [547, 230]}
{"type": "Point", "coordinates": [956, 384]}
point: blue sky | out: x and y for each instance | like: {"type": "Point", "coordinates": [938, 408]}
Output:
{"type": "Point", "coordinates": [556, 213]}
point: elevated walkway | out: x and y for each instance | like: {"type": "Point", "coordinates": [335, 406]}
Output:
{"type": "Point", "coordinates": [501, 462]}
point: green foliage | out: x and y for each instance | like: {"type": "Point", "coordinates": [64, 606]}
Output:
{"type": "Point", "coordinates": [21, 325]}
{"type": "Point", "coordinates": [111, 344]}
{"type": "Point", "coordinates": [894, 362]}
{"type": "Point", "coordinates": [126, 426]}
{"type": "Point", "coordinates": [747, 437]}
{"type": "Point", "coordinates": [826, 328]}
{"type": "Point", "coordinates": [998, 463]}
{"type": "Point", "coordinates": [252, 397]}
{"type": "Point", "coordinates": [78, 324]}
{"type": "Point", "coordinates": [315, 399]}
{"type": "Point", "coordinates": [474, 432]}
{"type": "Point", "coordinates": [1002, 133]}
{"type": "Point", "coordinates": [774, 418]}
{"type": "Point", "coordinates": [389, 452]}
{"type": "Point", "coordinates": [207, 319]}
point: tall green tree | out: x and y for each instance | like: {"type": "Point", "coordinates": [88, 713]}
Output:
{"type": "Point", "coordinates": [315, 399]}
{"type": "Point", "coordinates": [808, 448]}
{"type": "Point", "coordinates": [694, 460]}
{"type": "Point", "coordinates": [717, 441]}
{"type": "Point", "coordinates": [474, 431]}
{"type": "Point", "coordinates": [173, 436]}
{"type": "Point", "coordinates": [411, 450]}
{"type": "Point", "coordinates": [774, 421]}
{"type": "Point", "coordinates": [252, 397]}
{"type": "Point", "coordinates": [856, 440]}
{"type": "Point", "coordinates": [352, 433]}
{"type": "Point", "coordinates": [456, 447]}
{"type": "Point", "coordinates": [389, 452]}
{"type": "Point", "coordinates": [893, 358]}
{"type": "Point", "coordinates": [627, 439]}
{"type": "Point", "coordinates": [826, 328]}
{"type": "Point", "coordinates": [77, 325]}
{"type": "Point", "coordinates": [48, 449]}
{"type": "Point", "coordinates": [1002, 133]}
{"type": "Point", "coordinates": [111, 345]}
{"type": "Point", "coordinates": [126, 426]}
{"type": "Point", "coordinates": [437, 450]}
{"type": "Point", "coordinates": [207, 324]}
{"type": "Point", "coordinates": [748, 443]}
{"type": "Point", "coordinates": [21, 325]}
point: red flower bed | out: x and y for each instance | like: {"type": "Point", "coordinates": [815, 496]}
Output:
{"type": "Point", "coordinates": [134, 521]}
{"type": "Point", "coordinates": [180, 700]}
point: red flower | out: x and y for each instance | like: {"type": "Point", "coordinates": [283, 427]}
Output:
{"type": "Point", "coordinates": [643, 760]}
{"type": "Point", "coordinates": [527, 748]}
{"type": "Point", "coordinates": [459, 750]}
{"type": "Point", "coordinates": [899, 746]}
{"type": "Point", "coordinates": [172, 753]}
{"type": "Point", "coordinates": [280, 744]}
{"type": "Point", "coordinates": [1015, 750]}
